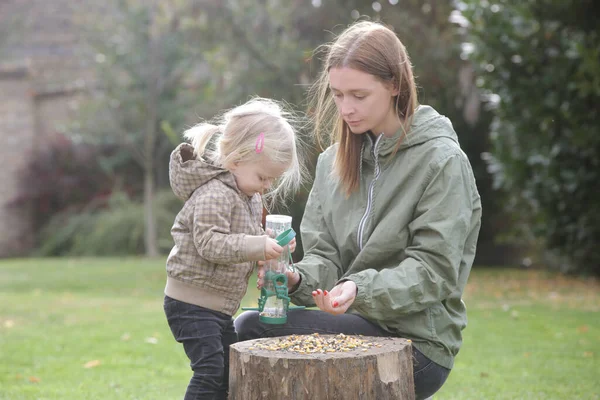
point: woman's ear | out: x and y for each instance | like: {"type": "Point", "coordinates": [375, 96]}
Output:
{"type": "Point", "coordinates": [394, 88]}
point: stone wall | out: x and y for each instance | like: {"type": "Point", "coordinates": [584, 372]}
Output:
{"type": "Point", "coordinates": [17, 135]}
{"type": "Point", "coordinates": [42, 73]}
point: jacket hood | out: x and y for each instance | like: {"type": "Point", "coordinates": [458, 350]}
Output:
{"type": "Point", "coordinates": [187, 173]}
{"type": "Point", "coordinates": [427, 124]}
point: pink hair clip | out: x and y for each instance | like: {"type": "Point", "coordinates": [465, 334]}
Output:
{"type": "Point", "coordinates": [260, 143]}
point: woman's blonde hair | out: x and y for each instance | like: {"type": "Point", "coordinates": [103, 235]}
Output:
{"type": "Point", "coordinates": [372, 48]}
{"type": "Point", "coordinates": [259, 122]}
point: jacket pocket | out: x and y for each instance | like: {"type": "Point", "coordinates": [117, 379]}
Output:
{"type": "Point", "coordinates": [413, 326]}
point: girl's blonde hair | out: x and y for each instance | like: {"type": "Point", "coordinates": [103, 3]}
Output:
{"type": "Point", "coordinates": [372, 48]}
{"type": "Point", "coordinates": [238, 132]}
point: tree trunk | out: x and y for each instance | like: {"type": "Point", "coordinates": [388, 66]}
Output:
{"type": "Point", "coordinates": [384, 371]}
{"type": "Point", "coordinates": [150, 234]}
{"type": "Point", "coordinates": [150, 239]}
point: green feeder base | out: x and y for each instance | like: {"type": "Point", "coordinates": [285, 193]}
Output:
{"type": "Point", "coordinates": [272, 320]}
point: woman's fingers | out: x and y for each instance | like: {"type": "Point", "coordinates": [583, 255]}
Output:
{"type": "Point", "coordinates": [318, 296]}
{"type": "Point", "coordinates": [338, 300]}
{"type": "Point", "coordinates": [323, 300]}
{"type": "Point", "coordinates": [293, 278]}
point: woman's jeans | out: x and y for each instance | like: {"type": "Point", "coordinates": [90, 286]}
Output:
{"type": "Point", "coordinates": [428, 376]}
{"type": "Point", "coordinates": [206, 336]}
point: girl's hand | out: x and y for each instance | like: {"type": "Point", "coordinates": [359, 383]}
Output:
{"type": "Point", "coordinates": [291, 244]}
{"type": "Point", "coordinates": [272, 249]}
{"type": "Point", "coordinates": [338, 300]}
{"type": "Point", "coordinates": [260, 274]}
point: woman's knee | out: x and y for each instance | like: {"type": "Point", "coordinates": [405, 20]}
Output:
{"type": "Point", "coordinates": [428, 376]}
{"type": "Point", "coordinates": [246, 325]}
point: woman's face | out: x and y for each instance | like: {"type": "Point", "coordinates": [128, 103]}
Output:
{"type": "Point", "coordinates": [364, 102]}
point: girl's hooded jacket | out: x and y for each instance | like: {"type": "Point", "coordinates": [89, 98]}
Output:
{"type": "Point", "coordinates": [406, 237]}
{"type": "Point", "coordinates": [217, 235]}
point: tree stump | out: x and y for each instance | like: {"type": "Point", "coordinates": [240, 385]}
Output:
{"type": "Point", "coordinates": [379, 369]}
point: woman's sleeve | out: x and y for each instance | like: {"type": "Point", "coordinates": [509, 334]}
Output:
{"type": "Point", "coordinates": [321, 265]}
{"type": "Point", "coordinates": [447, 218]}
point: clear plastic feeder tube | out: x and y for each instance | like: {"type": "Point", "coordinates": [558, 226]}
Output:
{"type": "Point", "coordinates": [274, 307]}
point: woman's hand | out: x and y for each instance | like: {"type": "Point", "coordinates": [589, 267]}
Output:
{"type": "Point", "coordinates": [293, 276]}
{"type": "Point", "coordinates": [292, 245]}
{"type": "Point", "coordinates": [338, 300]}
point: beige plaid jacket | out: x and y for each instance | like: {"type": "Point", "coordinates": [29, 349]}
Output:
{"type": "Point", "coordinates": [217, 235]}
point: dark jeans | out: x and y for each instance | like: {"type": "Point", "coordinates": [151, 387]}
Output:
{"type": "Point", "coordinates": [206, 336]}
{"type": "Point", "coordinates": [428, 376]}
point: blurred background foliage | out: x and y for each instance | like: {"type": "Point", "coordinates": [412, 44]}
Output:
{"type": "Point", "coordinates": [538, 64]}
{"type": "Point", "coordinates": [520, 83]}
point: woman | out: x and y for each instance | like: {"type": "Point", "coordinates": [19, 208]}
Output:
{"type": "Point", "coordinates": [391, 223]}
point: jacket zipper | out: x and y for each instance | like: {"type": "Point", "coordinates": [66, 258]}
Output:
{"type": "Point", "coordinates": [363, 220]}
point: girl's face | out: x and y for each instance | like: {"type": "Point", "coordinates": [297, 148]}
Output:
{"type": "Point", "coordinates": [363, 101]}
{"type": "Point", "coordinates": [256, 176]}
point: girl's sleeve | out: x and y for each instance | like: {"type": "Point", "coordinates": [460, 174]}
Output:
{"type": "Point", "coordinates": [213, 214]}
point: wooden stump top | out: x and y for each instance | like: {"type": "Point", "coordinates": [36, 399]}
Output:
{"type": "Point", "coordinates": [379, 345]}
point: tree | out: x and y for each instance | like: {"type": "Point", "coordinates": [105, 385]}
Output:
{"type": "Point", "coordinates": [226, 51]}
{"type": "Point", "coordinates": [144, 59]}
{"type": "Point", "coordinates": [539, 66]}
{"type": "Point", "coordinates": [267, 48]}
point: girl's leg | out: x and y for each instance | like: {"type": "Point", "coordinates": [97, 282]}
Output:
{"type": "Point", "coordinates": [428, 376]}
{"type": "Point", "coordinates": [201, 332]}
{"type": "Point", "coordinates": [229, 338]}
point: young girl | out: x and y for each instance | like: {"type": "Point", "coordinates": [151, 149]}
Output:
{"type": "Point", "coordinates": [218, 234]}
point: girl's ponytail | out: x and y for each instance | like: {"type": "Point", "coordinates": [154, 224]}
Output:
{"type": "Point", "coordinates": [199, 136]}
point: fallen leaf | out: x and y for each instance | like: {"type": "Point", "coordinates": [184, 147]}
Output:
{"type": "Point", "coordinates": [583, 329]}
{"type": "Point", "coordinates": [588, 353]}
{"type": "Point", "coordinates": [91, 364]}
{"type": "Point", "coordinates": [9, 323]}
{"type": "Point", "coordinates": [125, 337]}
{"type": "Point", "coordinates": [151, 340]}
{"type": "Point", "coordinates": [34, 379]}
{"type": "Point", "coordinates": [527, 354]}
{"type": "Point", "coordinates": [484, 375]}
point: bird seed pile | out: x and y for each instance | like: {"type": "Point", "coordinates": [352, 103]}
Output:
{"type": "Point", "coordinates": [308, 344]}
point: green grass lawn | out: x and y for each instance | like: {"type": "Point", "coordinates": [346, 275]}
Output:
{"type": "Point", "coordinates": [94, 329]}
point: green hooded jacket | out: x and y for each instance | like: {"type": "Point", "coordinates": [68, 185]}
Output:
{"type": "Point", "coordinates": [406, 237]}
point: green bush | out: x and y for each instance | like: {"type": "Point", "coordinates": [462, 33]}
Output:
{"type": "Point", "coordinates": [539, 66]}
{"type": "Point", "coordinates": [116, 228]}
